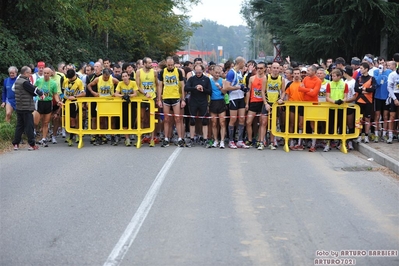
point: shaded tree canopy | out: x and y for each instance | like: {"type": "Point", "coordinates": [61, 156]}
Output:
{"type": "Point", "coordinates": [84, 30]}
{"type": "Point", "coordinates": [313, 29]}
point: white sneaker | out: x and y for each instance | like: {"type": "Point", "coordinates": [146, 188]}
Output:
{"type": "Point", "coordinates": [63, 133]}
{"type": "Point", "coordinates": [366, 139]}
{"type": "Point", "coordinates": [389, 140]}
{"type": "Point", "coordinates": [326, 148]}
{"type": "Point", "coordinates": [53, 140]}
{"type": "Point", "coordinates": [221, 146]}
{"type": "Point", "coordinates": [261, 146]}
{"type": "Point", "coordinates": [272, 147]}
{"type": "Point", "coordinates": [350, 145]}
{"type": "Point", "coordinates": [241, 144]}
{"type": "Point", "coordinates": [232, 145]}
{"type": "Point", "coordinates": [359, 139]}
{"type": "Point", "coordinates": [215, 144]}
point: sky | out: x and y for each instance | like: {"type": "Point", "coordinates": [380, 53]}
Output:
{"type": "Point", "coordinates": [224, 12]}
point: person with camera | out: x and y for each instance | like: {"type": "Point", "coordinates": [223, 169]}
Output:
{"type": "Point", "coordinates": [127, 89]}
{"type": "Point", "coordinates": [380, 96]}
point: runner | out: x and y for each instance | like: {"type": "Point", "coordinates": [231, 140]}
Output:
{"type": "Point", "coordinates": [45, 105]}
{"type": "Point", "coordinates": [311, 87]}
{"type": "Point", "coordinates": [254, 100]}
{"type": "Point", "coordinates": [199, 87]}
{"type": "Point", "coordinates": [293, 93]}
{"type": "Point", "coordinates": [147, 82]}
{"type": "Point", "coordinates": [217, 107]}
{"type": "Point", "coordinates": [365, 87]}
{"type": "Point", "coordinates": [234, 85]}
{"type": "Point", "coordinates": [8, 95]}
{"type": "Point", "coordinates": [169, 97]}
{"type": "Point", "coordinates": [127, 89]}
{"type": "Point", "coordinates": [73, 88]}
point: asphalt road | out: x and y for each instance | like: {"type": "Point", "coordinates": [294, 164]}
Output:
{"type": "Point", "coordinates": [193, 206]}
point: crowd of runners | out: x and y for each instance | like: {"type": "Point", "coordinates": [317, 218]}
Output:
{"type": "Point", "coordinates": [204, 103]}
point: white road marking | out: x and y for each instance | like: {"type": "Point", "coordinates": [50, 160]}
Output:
{"type": "Point", "coordinates": [131, 231]}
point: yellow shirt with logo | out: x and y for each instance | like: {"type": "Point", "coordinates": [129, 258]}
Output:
{"type": "Point", "coordinates": [147, 83]}
{"type": "Point", "coordinates": [105, 88]}
{"type": "Point", "coordinates": [171, 84]}
{"type": "Point", "coordinates": [126, 89]}
{"type": "Point", "coordinates": [273, 88]}
{"type": "Point", "coordinates": [72, 88]}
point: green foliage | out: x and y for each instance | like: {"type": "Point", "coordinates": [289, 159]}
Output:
{"type": "Point", "coordinates": [76, 30]}
{"type": "Point", "coordinates": [315, 29]}
{"type": "Point", "coordinates": [6, 129]}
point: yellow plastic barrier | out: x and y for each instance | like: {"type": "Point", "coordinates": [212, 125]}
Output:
{"type": "Point", "coordinates": [110, 108]}
{"type": "Point", "coordinates": [317, 113]}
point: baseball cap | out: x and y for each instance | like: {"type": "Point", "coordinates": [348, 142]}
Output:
{"type": "Point", "coordinates": [355, 61]}
{"type": "Point", "coordinates": [41, 64]}
{"type": "Point", "coordinates": [304, 69]}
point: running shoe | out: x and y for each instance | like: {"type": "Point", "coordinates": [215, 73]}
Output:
{"type": "Point", "coordinates": [272, 147]}
{"type": "Point", "coordinates": [261, 146]}
{"type": "Point", "coordinates": [165, 143]}
{"type": "Point", "coordinates": [326, 148]}
{"type": "Point", "coordinates": [33, 148]}
{"type": "Point", "coordinates": [92, 139]}
{"type": "Point", "coordinates": [389, 140]}
{"type": "Point", "coordinates": [189, 143]}
{"type": "Point", "coordinates": [44, 143]}
{"type": "Point", "coordinates": [376, 139]}
{"type": "Point", "coordinates": [70, 142]}
{"type": "Point", "coordinates": [312, 149]}
{"type": "Point", "coordinates": [180, 143]}
{"type": "Point", "coordinates": [359, 139]}
{"type": "Point", "coordinates": [241, 144]}
{"type": "Point", "coordinates": [232, 145]}
{"type": "Point", "coordinates": [16, 147]}
{"type": "Point", "coordinates": [299, 147]}
{"type": "Point", "coordinates": [76, 138]}
{"type": "Point", "coordinates": [221, 146]}
{"type": "Point", "coordinates": [248, 143]}
{"type": "Point", "coordinates": [127, 142]}
{"type": "Point", "coordinates": [53, 140]}
{"type": "Point", "coordinates": [350, 145]}
{"type": "Point", "coordinates": [366, 139]}
{"type": "Point", "coordinates": [152, 143]}
{"type": "Point", "coordinates": [215, 144]}
{"type": "Point", "coordinates": [208, 144]}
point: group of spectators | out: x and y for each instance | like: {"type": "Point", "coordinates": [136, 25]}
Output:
{"type": "Point", "coordinates": [214, 103]}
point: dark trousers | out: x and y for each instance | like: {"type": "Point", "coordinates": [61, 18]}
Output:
{"type": "Point", "coordinates": [24, 124]}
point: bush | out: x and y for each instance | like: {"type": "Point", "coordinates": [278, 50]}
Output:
{"type": "Point", "coordinates": [6, 131]}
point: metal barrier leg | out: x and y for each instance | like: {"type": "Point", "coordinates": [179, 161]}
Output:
{"type": "Point", "coordinates": [286, 147]}
{"type": "Point", "coordinates": [81, 144]}
{"type": "Point", "coordinates": [343, 146]}
{"type": "Point", "coordinates": [138, 143]}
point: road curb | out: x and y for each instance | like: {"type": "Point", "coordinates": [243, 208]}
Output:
{"type": "Point", "coordinates": [378, 157]}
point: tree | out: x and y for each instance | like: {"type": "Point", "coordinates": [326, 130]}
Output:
{"type": "Point", "coordinates": [315, 29]}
